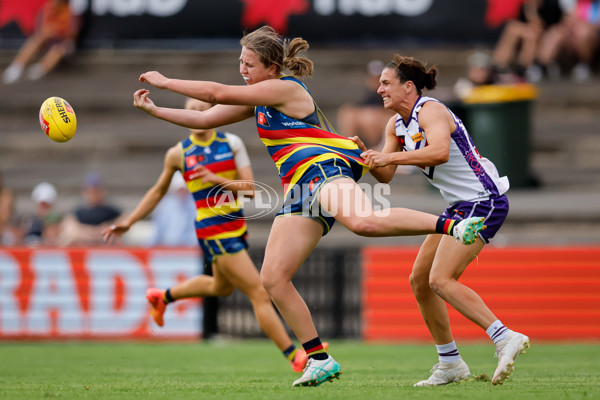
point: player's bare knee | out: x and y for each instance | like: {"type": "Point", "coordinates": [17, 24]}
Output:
{"type": "Point", "coordinates": [437, 285]}
{"type": "Point", "coordinates": [413, 281]}
{"type": "Point", "coordinates": [259, 295]}
{"type": "Point", "coordinates": [419, 284]}
{"type": "Point", "coordinates": [268, 280]}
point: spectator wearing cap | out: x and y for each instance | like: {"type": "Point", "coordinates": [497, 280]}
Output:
{"type": "Point", "coordinates": [85, 224]}
{"type": "Point", "coordinates": [42, 228]}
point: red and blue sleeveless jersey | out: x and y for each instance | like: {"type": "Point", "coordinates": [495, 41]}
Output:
{"type": "Point", "coordinates": [295, 145]}
{"type": "Point", "coordinates": [219, 216]}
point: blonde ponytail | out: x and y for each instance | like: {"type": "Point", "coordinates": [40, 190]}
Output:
{"type": "Point", "coordinates": [299, 66]}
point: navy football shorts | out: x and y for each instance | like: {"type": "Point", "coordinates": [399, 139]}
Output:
{"type": "Point", "coordinates": [493, 210]}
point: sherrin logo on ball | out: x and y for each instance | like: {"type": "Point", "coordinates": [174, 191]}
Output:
{"type": "Point", "coordinates": [57, 119]}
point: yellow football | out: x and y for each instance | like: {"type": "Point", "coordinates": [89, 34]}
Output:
{"type": "Point", "coordinates": [57, 119]}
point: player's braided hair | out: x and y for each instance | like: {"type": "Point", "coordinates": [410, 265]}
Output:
{"type": "Point", "coordinates": [409, 69]}
{"type": "Point", "coordinates": [271, 49]}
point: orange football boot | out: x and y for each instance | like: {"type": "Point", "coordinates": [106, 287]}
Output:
{"type": "Point", "coordinates": [155, 298]}
{"type": "Point", "coordinates": [300, 359]}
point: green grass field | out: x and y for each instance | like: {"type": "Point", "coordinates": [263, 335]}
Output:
{"type": "Point", "coordinates": [255, 370]}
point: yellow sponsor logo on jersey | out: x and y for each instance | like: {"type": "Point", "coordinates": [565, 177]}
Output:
{"type": "Point", "coordinates": [417, 137]}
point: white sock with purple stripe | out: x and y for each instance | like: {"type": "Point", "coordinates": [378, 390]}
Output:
{"type": "Point", "coordinates": [447, 353]}
{"type": "Point", "coordinates": [497, 331]}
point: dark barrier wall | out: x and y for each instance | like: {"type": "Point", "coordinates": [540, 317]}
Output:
{"type": "Point", "coordinates": [329, 282]}
{"type": "Point", "coordinates": [115, 22]}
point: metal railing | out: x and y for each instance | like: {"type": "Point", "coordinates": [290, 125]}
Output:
{"type": "Point", "coordinates": [329, 282]}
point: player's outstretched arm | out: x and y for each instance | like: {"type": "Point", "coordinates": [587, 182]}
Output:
{"type": "Point", "coordinates": [286, 96]}
{"type": "Point", "coordinates": [214, 117]}
{"type": "Point", "coordinates": [202, 90]}
{"type": "Point", "coordinates": [150, 199]}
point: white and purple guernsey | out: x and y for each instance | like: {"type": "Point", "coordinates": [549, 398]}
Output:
{"type": "Point", "coordinates": [467, 176]}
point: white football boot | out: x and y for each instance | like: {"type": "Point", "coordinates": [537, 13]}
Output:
{"type": "Point", "coordinates": [319, 371]}
{"type": "Point", "coordinates": [445, 373]}
{"type": "Point", "coordinates": [467, 230]}
{"type": "Point", "coordinates": [507, 351]}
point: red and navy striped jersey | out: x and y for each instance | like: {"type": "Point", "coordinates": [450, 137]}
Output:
{"type": "Point", "coordinates": [295, 145]}
{"type": "Point", "coordinates": [219, 216]}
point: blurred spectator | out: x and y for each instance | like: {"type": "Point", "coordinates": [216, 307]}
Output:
{"type": "Point", "coordinates": [7, 202]}
{"type": "Point", "coordinates": [577, 34]}
{"type": "Point", "coordinates": [368, 118]}
{"type": "Point", "coordinates": [42, 228]}
{"type": "Point", "coordinates": [517, 48]}
{"type": "Point", "coordinates": [174, 216]}
{"type": "Point", "coordinates": [480, 71]}
{"type": "Point", "coordinates": [55, 36]}
{"type": "Point", "coordinates": [85, 225]}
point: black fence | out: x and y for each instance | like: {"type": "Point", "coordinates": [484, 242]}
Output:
{"type": "Point", "coordinates": [330, 283]}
